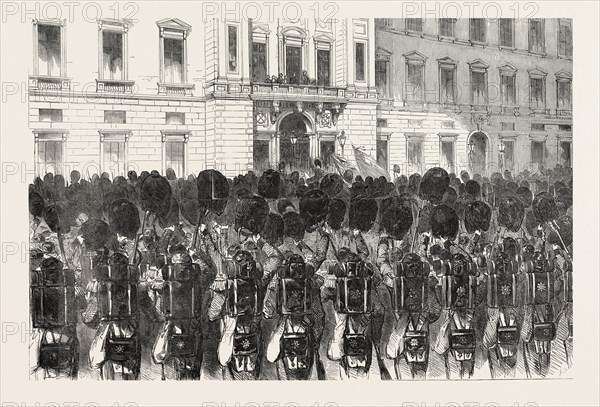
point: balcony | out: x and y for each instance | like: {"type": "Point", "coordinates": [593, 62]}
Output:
{"type": "Point", "coordinates": [180, 89]}
{"type": "Point", "coordinates": [296, 92]}
{"type": "Point", "coordinates": [49, 83]}
{"type": "Point", "coordinates": [114, 86]}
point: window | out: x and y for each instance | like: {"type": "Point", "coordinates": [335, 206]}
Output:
{"type": "Point", "coordinates": [51, 115]}
{"type": "Point", "coordinates": [537, 93]}
{"type": "Point", "coordinates": [359, 55]}
{"type": "Point", "coordinates": [478, 88]}
{"type": "Point", "coordinates": [232, 38]}
{"type": "Point", "coordinates": [447, 156]}
{"type": "Point", "coordinates": [536, 35]}
{"type": "Point", "coordinates": [49, 151]}
{"type": "Point", "coordinates": [323, 67]}
{"type": "Point", "coordinates": [413, 24]}
{"type": "Point", "coordinates": [414, 154]}
{"type": "Point", "coordinates": [382, 153]}
{"type": "Point", "coordinates": [509, 154]}
{"type": "Point", "coordinates": [507, 126]}
{"type": "Point", "coordinates": [49, 50]}
{"type": "Point", "coordinates": [174, 151]}
{"type": "Point", "coordinates": [414, 79]}
{"type": "Point", "coordinates": [565, 39]}
{"type": "Point", "coordinates": [173, 56]}
{"type": "Point", "coordinates": [381, 123]}
{"type": "Point", "coordinates": [112, 55]}
{"type": "Point", "coordinates": [507, 34]}
{"type": "Point", "coordinates": [259, 61]}
{"type": "Point", "coordinates": [563, 88]}
{"type": "Point", "coordinates": [447, 83]}
{"type": "Point", "coordinates": [173, 61]}
{"type": "Point", "coordinates": [538, 126]}
{"type": "Point", "coordinates": [477, 29]}
{"type": "Point", "coordinates": [565, 153]}
{"type": "Point", "coordinates": [115, 116]}
{"type": "Point", "coordinates": [114, 157]}
{"type": "Point", "coordinates": [293, 62]}
{"type": "Point", "coordinates": [565, 127]}
{"type": "Point", "coordinates": [381, 77]}
{"type": "Point", "coordinates": [537, 152]}
{"type": "Point", "coordinates": [174, 118]}
{"type": "Point", "coordinates": [508, 88]}
{"type": "Point", "coordinates": [447, 27]}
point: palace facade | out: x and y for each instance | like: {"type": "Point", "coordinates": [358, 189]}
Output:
{"type": "Point", "coordinates": [191, 93]}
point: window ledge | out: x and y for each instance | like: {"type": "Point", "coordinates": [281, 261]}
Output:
{"type": "Point", "coordinates": [510, 108]}
{"type": "Point", "coordinates": [507, 48]}
{"type": "Point", "coordinates": [478, 43]}
{"type": "Point", "coordinates": [114, 86]}
{"type": "Point", "coordinates": [538, 111]}
{"type": "Point", "coordinates": [538, 53]}
{"type": "Point", "coordinates": [564, 112]}
{"type": "Point", "coordinates": [446, 38]}
{"type": "Point", "coordinates": [184, 89]}
{"type": "Point", "coordinates": [41, 82]}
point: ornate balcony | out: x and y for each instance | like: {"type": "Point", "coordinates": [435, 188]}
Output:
{"type": "Point", "coordinates": [296, 92]}
{"type": "Point", "coordinates": [114, 86]}
{"type": "Point", "coordinates": [49, 83]}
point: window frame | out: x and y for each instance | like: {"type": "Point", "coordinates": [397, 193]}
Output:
{"type": "Point", "coordinates": [294, 37]}
{"type": "Point", "coordinates": [452, 139]}
{"type": "Point", "coordinates": [49, 135]}
{"type": "Point", "coordinates": [542, 23]}
{"type": "Point", "coordinates": [414, 58]}
{"type": "Point", "coordinates": [383, 137]}
{"type": "Point", "coordinates": [478, 66]}
{"type": "Point", "coordinates": [236, 27]}
{"type": "Point", "coordinates": [569, 47]}
{"type": "Point", "coordinates": [512, 24]}
{"type": "Point", "coordinates": [448, 63]}
{"type": "Point", "coordinates": [385, 56]}
{"type": "Point", "coordinates": [364, 61]}
{"type": "Point", "coordinates": [119, 27]}
{"type": "Point", "coordinates": [507, 70]}
{"type": "Point", "coordinates": [114, 136]}
{"type": "Point", "coordinates": [176, 136]}
{"type": "Point", "coordinates": [63, 49]}
{"type": "Point", "coordinates": [324, 43]}
{"type": "Point", "coordinates": [174, 29]}
{"type": "Point", "coordinates": [537, 74]}
{"type": "Point", "coordinates": [483, 29]}
{"type": "Point", "coordinates": [453, 25]}
{"type": "Point", "coordinates": [408, 22]}
{"type": "Point", "coordinates": [563, 77]}
{"type": "Point", "coordinates": [420, 139]}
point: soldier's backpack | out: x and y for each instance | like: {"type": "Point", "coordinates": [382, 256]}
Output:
{"type": "Point", "coordinates": [353, 288]}
{"type": "Point", "coordinates": [53, 295]}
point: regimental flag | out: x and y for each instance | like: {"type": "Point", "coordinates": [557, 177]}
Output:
{"type": "Point", "coordinates": [341, 165]}
{"type": "Point", "coordinates": [367, 165]}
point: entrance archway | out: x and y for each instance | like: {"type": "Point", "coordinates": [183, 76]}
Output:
{"type": "Point", "coordinates": [294, 142]}
{"type": "Point", "coordinates": [477, 152]}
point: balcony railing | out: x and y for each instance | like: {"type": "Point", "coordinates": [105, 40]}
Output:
{"type": "Point", "coordinates": [114, 86]}
{"type": "Point", "coordinates": [49, 83]}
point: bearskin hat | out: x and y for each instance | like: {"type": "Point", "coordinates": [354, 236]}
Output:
{"type": "Point", "coordinates": [525, 196]}
{"type": "Point", "coordinates": [96, 234]}
{"type": "Point", "coordinates": [473, 189]}
{"type": "Point", "coordinates": [397, 219]}
{"type": "Point", "coordinates": [477, 216]}
{"type": "Point", "coordinates": [293, 226]}
{"type": "Point", "coordinates": [544, 207]}
{"type": "Point", "coordinates": [272, 230]}
{"type": "Point", "coordinates": [36, 204]}
{"type": "Point", "coordinates": [511, 212]}
{"type": "Point", "coordinates": [124, 218]}
{"type": "Point", "coordinates": [444, 222]}
{"type": "Point", "coordinates": [424, 214]}
{"type": "Point", "coordinates": [284, 205]}
{"type": "Point", "coordinates": [269, 184]}
{"type": "Point", "coordinates": [170, 217]}
{"type": "Point", "coordinates": [435, 182]}
{"type": "Point", "coordinates": [213, 191]}
{"type": "Point", "coordinates": [251, 214]}
{"type": "Point", "coordinates": [363, 212]}
{"type": "Point", "coordinates": [565, 196]}
{"type": "Point", "coordinates": [155, 194]}
{"type": "Point", "coordinates": [314, 206]}
{"type": "Point", "coordinates": [336, 213]}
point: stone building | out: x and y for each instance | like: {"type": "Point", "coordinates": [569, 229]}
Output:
{"type": "Point", "coordinates": [235, 94]}
{"type": "Point", "coordinates": [192, 92]}
{"type": "Point", "coordinates": [476, 94]}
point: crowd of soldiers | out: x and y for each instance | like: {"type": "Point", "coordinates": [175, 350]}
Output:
{"type": "Point", "coordinates": [436, 274]}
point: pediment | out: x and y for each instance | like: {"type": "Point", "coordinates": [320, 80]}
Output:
{"type": "Point", "coordinates": [415, 56]}
{"type": "Point", "coordinates": [478, 64]}
{"type": "Point", "coordinates": [174, 24]}
{"type": "Point", "coordinates": [537, 72]}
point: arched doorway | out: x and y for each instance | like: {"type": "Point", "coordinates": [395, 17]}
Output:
{"type": "Point", "coordinates": [294, 142]}
{"type": "Point", "coordinates": [477, 152]}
